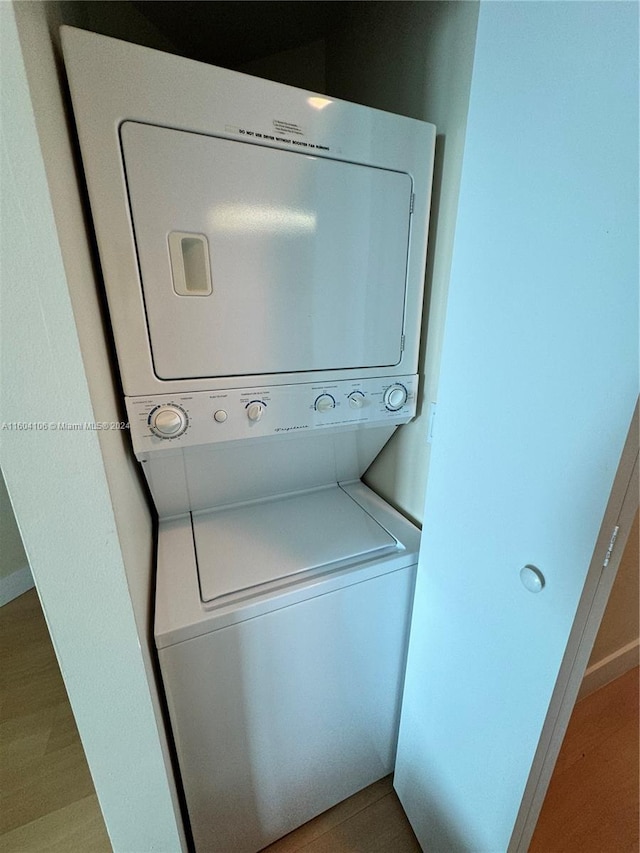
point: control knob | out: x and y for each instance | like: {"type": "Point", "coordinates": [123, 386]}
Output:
{"type": "Point", "coordinates": [168, 421]}
{"type": "Point", "coordinates": [395, 397]}
{"type": "Point", "coordinates": [254, 411]}
{"type": "Point", "coordinates": [325, 403]}
{"type": "Point", "coordinates": [356, 399]}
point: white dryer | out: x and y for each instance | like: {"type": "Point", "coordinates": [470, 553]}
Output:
{"type": "Point", "coordinates": [263, 250]}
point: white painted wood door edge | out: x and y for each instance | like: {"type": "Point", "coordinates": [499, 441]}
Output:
{"type": "Point", "coordinates": [620, 512]}
{"type": "Point", "coordinates": [609, 668]}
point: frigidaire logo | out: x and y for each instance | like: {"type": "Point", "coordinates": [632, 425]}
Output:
{"type": "Point", "coordinates": [289, 429]}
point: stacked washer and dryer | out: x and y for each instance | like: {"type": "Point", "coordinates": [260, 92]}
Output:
{"type": "Point", "coordinates": [263, 251]}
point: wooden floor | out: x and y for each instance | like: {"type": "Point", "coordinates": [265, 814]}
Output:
{"type": "Point", "coordinates": [592, 804]}
{"type": "Point", "coordinates": [371, 821]}
{"type": "Point", "coordinates": [47, 800]}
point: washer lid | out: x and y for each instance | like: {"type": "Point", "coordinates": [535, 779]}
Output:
{"type": "Point", "coordinates": [244, 548]}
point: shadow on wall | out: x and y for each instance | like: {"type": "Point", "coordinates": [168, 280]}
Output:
{"type": "Point", "coordinates": [15, 575]}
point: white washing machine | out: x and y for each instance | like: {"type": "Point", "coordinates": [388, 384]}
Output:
{"type": "Point", "coordinates": [263, 250]}
{"type": "Point", "coordinates": [281, 629]}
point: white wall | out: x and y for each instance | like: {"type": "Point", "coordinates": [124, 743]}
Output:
{"type": "Point", "coordinates": [303, 67]}
{"type": "Point", "coordinates": [83, 516]}
{"type": "Point", "coordinates": [415, 59]}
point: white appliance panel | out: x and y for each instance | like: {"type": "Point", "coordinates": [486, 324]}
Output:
{"type": "Point", "coordinates": [245, 414]}
{"type": "Point", "coordinates": [301, 273]}
{"type": "Point", "coordinates": [278, 718]}
{"type": "Point", "coordinates": [240, 549]}
{"type": "Point", "coordinates": [114, 84]}
{"type": "Point", "coordinates": [307, 256]}
{"type": "Point", "coordinates": [285, 703]}
{"type": "Point", "coordinates": [180, 614]}
{"type": "Point", "coordinates": [203, 477]}
{"type": "Point", "coordinates": [307, 435]}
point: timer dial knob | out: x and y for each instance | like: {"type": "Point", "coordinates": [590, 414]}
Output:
{"type": "Point", "coordinates": [325, 402]}
{"type": "Point", "coordinates": [254, 411]}
{"type": "Point", "coordinates": [395, 397]}
{"type": "Point", "coordinates": [168, 421]}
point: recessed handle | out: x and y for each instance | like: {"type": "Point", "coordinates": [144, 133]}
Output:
{"type": "Point", "coordinates": [190, 267]}
{"type": "Point", "coordinates": [532, 578]}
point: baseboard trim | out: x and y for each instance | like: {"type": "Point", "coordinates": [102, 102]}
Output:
{"type": "Point", "coordinates": [610, 668]}
{"type": "Point", "coordinates": [15, 584]}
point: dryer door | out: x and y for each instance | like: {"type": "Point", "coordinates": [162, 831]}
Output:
{"type": "Point", "coordinates": [265, 260]}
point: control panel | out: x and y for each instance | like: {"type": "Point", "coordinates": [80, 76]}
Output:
{"type": "Point", "coordinates": [207, 417]}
